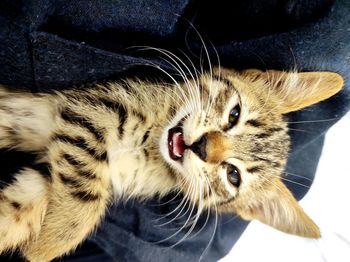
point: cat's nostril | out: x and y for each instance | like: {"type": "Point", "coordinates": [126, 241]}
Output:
{"type": "Point", "coordinates": [200, 147]}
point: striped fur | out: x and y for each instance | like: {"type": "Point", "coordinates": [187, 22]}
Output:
{"type": "Point", "coordinates": [109, 142]}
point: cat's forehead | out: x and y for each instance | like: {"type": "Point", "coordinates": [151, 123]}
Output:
{"type": "Point", "coordinates": [256, 99]}
{"type": "Point", "coordinates": [260, 140]}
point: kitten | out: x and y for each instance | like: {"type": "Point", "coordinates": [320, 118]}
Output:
{"type": "Point", "coordinates": [220, 139]}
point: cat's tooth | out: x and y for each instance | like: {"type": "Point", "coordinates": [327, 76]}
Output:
{"type": "Point", "coordinates": [176, 149]}
{"type": "Point", "coordinates": [177, 154]}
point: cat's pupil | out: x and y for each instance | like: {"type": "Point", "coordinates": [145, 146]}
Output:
{"type": "Point", "coordinates": [233, 175]}
{"type": "Point", "coordinates": [234, 116]}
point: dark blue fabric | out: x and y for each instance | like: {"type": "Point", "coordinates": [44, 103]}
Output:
{"type": "Point", "coordinates": [52, 45]}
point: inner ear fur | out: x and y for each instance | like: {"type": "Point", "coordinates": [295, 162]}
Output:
{"type": "Point", "coordinates": [298, 90]}
{"type": "Point", "coordinates": [279, 209]}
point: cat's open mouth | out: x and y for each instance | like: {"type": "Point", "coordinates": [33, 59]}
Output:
{"type": "Point", "coordinates": [176, 144]}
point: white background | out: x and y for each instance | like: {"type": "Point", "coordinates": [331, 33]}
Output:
{"type": "Point", "coordinates": [327, 202]}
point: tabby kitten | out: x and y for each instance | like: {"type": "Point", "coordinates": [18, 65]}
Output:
{"type": "Point", "coordinates": [220, 139]}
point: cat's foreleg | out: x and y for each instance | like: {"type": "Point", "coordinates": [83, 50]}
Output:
{"type": "Point", "coordinates": [67, 223]}
{"type": "Point", "coordinates": [79, 194]}
{"type": "Point", "coordinates": [26, 120]}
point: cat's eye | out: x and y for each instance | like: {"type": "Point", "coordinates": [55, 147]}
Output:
{"type": "Point", "coordinates": [233, 116]}
{"type": "Point", "coordinates": [233, 175]}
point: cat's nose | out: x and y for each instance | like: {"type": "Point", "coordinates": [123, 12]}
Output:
{"type": "Point", "coordinates": [200, 147]}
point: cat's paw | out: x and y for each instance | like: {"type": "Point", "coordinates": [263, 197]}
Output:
{"type": "Point", "coordinates": [22, 207]}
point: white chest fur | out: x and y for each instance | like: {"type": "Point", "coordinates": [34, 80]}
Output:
{"type": "Point", "coordinates": [135, 167]}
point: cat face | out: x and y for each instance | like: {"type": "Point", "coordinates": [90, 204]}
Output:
{"type": "Point", "coordinates": [228, 142]}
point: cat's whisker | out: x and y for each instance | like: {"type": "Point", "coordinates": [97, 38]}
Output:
{"type": "Point", "coordinates": [211, 79]}
{"type": "Point", "coordinates": [201, 71]}
{"type": "Point", "coordinates": [199, 211]}
{"type": "Point", "coordinates": [291, 181]}
{"type": "Point", "coordinates": [181, 213]}
{"type": "Point", "coordinates": [218, 62]}
{"type": "Point", "coordinates": [189, 101]}
{"type": "Point", "coordinates": [192, 221]}
{"type": "Point", "coordinates": [163, 71]}
{"type": "Point", "coordinates": [200, 201]}
{"type": "Point", "coordinates": [315, 121]}
{"type": "Point", "coordinates": [196, 71]}
{"type": "Point", "coordinates": [231, 219]}
{"type": "Point", "coordinates": [300, 130]}
{"type": "Point", "coordinates": [215, 223]}
{"type": "Point", "coordinates": [178, 231]}
{"type": "Point", "coordinates": [177, 85]}
{"type": "Point", "coordinates": [343, 239]}
{"type": "Point", "coordinates": [196, 80]}
{"type": "Point", "coordinates": [294, 182]}
{"type": "Point", "coordinates": [168, 201]}
{"type": "Point", "coordinates": [265, 179]}
{"type": "Point", "coordinates": [181, 206]}
{"type": "Point", "coordinates": [206, 51]}
{"type": "Point", "coordinates": [186, 197]}
{"type": "Point", "coordinates": [179, 105]}
{"type": "Point", "coordinates": [317, 244]}
{"type": "Point", "coordinates": [201, 62]}
{"type": "Point", "coordinates": [211, 99]}
{"type": "Point", "coordinates": [208, 209]}
{"type": "Point", "coordinates": [303, 177]}
{"type": "Point", "coordinates": [175, 59]}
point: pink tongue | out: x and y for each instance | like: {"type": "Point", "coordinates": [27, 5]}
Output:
{"type": "Point", "coordinates": [178, 144]}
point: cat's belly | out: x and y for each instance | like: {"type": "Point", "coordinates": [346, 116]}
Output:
{"type": "Point", "coordinates": [124, 163]}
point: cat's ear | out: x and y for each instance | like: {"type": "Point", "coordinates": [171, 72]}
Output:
{"type": "Point", "coordinates": [298, 90]}
{"type": "Point", "coordinates": [279, 209]}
